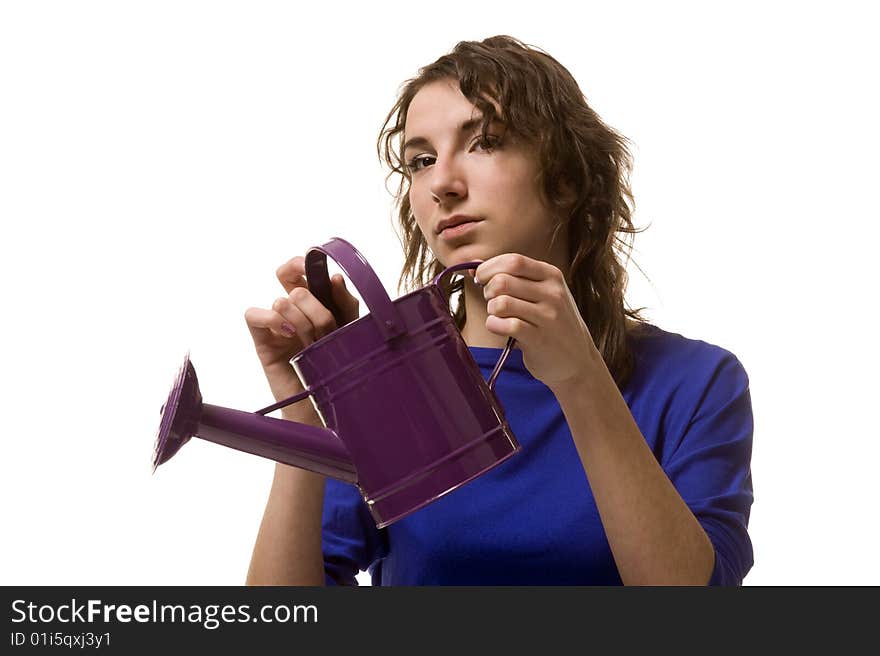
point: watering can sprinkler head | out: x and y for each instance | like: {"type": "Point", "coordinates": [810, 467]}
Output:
{"type": "Point", "coordinates": [178, 424]}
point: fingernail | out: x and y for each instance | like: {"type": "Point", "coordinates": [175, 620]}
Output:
{"type": "Point", "coordinates": [287, 328]}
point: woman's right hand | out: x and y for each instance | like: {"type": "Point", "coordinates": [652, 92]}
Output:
{"type": "Point", "coordinates": [294, 322]}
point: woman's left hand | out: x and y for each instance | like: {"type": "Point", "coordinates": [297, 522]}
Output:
{"type": "Point", "coordinates": [529, 300]}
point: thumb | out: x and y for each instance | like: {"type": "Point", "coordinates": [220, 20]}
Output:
{"type": "Point", "coordinates": [343, 299]}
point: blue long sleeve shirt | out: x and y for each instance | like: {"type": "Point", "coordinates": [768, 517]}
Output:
{"type": "Point", "coordinates": [532, 520]}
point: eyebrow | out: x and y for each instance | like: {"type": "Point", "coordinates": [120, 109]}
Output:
{"type": "Point", "coordinates": [464, 127]}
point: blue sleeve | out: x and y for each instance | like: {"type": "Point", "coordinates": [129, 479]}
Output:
{"type": "Point", "coordinates": [711, 467]}
{"type": "Point", "coordinates": [350, 540]}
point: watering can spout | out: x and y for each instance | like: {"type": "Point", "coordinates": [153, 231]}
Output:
{"type": "Point", "coordinates": [301, 445]}
{"type": "Point", "coordinates": [309, 447]}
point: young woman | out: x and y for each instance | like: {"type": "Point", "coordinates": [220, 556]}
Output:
{"type": "Point", "coordinates": [636, 441]}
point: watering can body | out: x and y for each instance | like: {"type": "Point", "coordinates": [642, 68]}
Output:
{"type": "Point", "coordinates": [407, 414]}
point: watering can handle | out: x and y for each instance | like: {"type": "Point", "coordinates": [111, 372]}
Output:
{"type": "Point", "coordinates": [361, 275]}
{"type": "Point", "coordinates": [510, 340]}
{"type": "Point", "coordinates": [364, 279]}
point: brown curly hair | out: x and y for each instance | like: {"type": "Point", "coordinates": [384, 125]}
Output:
{"type": "Point", "coordinates": [585, 167]}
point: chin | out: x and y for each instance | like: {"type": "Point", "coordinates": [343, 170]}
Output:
{"type": "Point", "coordinates": [468, 255]}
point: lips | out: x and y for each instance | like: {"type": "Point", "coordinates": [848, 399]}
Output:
{"type": "Point", "coordinates": [454, 220]}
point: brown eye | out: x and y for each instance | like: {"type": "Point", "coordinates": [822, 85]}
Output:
{"type": "Point", "coordinates": [417, 163]}
{"type": "Point", "coordinates": [488, 143]}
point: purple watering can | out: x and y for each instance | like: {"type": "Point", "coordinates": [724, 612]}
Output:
{"type": "Point", "coordinates": [408, 415]}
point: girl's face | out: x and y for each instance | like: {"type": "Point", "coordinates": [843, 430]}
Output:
{"type": "Point", "coordinates": [453, 172]}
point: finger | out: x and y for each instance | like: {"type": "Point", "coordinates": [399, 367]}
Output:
{"type": "Point", "coordinates": [290, 316]}
{"type": "Point", "coordinates": [504, 284]}
{"type": "Point", "coordinates": [260, 320]}
{"type": "Point", "coordinates": [515, 264]}
{"type": "Point", "coordinates": [344, 300]}
{"type": "Point", "coordinates": [507, 307]}
{"type": "Point", "coordinates": [320, 321]}
{"type": "Point", "coordinates": [291, 274]}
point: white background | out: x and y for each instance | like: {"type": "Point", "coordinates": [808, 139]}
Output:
{"type": "Point", "coordinates": [159, 160]}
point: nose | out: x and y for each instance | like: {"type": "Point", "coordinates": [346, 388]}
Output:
{"type": "Point", "coordinates": [447, 180]}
